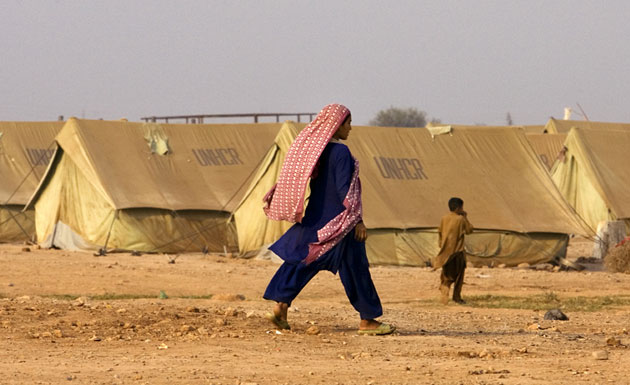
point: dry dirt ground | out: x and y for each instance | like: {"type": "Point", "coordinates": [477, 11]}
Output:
{"type": "Point", "coordinates": [70, 317]}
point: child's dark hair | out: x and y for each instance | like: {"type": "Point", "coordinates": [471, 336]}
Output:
{"type": "Point", "coordinates": [455, 203]}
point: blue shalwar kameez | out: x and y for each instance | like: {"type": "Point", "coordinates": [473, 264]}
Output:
{"type": "Point", "coordinates": [329, 187]}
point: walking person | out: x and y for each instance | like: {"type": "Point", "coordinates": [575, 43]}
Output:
{"type": "Point", "coordinates": [329, 234]}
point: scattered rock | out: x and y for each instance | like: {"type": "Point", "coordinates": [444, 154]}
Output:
{"type": "Point", "coordinates": [220, 322]}
{"type": "Point", "coordinates": [231, 312]}
{"type": "Point", "coordinates": [80, 301]}
{"type": "Point", "coordinates": [95, 339]}
{"type": "Point", "coordinates": [187, 329]}
{"type": "Point", "coordinates": [228, 297]}
{"type": "Point", "coordinates": [250, 314]}
{"type": "Point", "coordinates": [544, 267]}
{"type": "Point", "coordinates": [501, 265]}
{"type": "Point", "coordinates": [192, 309]}
{"type": "Point", "coordinates": [27, 249]}
{"type": "Point", "coordinates": [313, 330]}
{"type": "Point", "coordinates": [523, 265]}
{"type": "Point", "coordinates": [556, 314]}
{"type": "Point", "coordinates": [612, 341]}
{"type": "Point", "coordinates": [57, 333]}
{"type": "Point", "coordinates": [533, 326]}
{"type": "Point", "coordinates": [600, 355]}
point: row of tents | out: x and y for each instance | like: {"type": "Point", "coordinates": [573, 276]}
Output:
{"type": "Point", "coordinates": [170, 188]}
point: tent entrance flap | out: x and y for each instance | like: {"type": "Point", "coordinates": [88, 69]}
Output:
{"type": "Point", "coordinates": [63, 237]}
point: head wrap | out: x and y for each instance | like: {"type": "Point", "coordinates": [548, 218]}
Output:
{"type": "Point", "coordinates": [285, 201]}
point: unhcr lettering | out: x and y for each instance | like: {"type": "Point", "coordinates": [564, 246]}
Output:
{"type": "Point", "coordinates": [400, 168]}
{"type": "Point", "coordinates": [217, 156]}
{"type": "Point", "coordinates": [39, 156]}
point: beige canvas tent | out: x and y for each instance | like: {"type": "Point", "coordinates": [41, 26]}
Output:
{"type": "Point", "coordinates": [25, 150]}
{"type": "Point", "coordinates": [557, 126]}
{"type": "Point", "coordinates": [147, 187]}
{"type": "Point", "coordinates": [547, 146]}
{"type": "Point", "coordinates": [408, 175]}
{"type": "Point", "coordinates": [594, 173]}
{"type": "Point", "coordinates": [534, 129]}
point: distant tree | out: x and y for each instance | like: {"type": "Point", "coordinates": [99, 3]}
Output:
{"type": "Point", "coordinates": [400, 117]}
{"type": "Point", "coordinates": [508, 119]}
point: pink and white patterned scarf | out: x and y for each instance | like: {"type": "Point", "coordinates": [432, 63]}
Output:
{"type": "Point", "coordinates": [285, 200]}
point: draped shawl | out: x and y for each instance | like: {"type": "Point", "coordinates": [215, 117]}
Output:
{"type": "Point", "coordinates": [285, 200]}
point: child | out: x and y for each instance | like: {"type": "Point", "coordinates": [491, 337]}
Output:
{"type": "Point", "coordinates": [452, 258]}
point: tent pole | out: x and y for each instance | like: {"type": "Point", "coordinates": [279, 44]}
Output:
{"type": "Point", "coordinates": [103, 251]}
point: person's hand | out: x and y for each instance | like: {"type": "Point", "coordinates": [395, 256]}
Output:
{"type": "Point", "coordinates": [360, 232]}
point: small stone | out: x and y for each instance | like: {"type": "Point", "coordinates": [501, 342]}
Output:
{"type": "Point", "coordinates": [192, 309]}
{"type": "Point", "coordinates": [95, 339]}
{"type": "Point", "coordinates": [522, 350]}
{"type": "Point", "coordinates": [27, 249]}
{"type": "Point", "coordinates": [231, 312]}
{"type": "Point", "coordinates": [228, 297]}
{"type": "Point", "coordinates": [120, 311]}
{"type": "Point", "coordinates": [57, 333]}
{"type": "Point", "coordinates": [556, 314]}
{"type": "Point", "coordinates": [80, 301]}
{"type": "Point", "coordinates": [600, 355]}
{"type": "Point", "coordinates": [250, 314]}
{"type": "Point", "coordinates": [220, 322]}
{"type": "Point", "coordinates": [501, 265]}
{"type": "Point", "coordinates": [612, 341]}
{"type": "Point", "coordinates": [523, 265]}
{"type": "Point", "coordinates": [484, 353]}
{"type": "Point", "coordinates": [187, 329]}
{"type": "Point", "coordinates": [46, 335]}
{"type": "Point", "coordinates": [313, 330]}
{"type": "Point", "coordinates": [533, 326]}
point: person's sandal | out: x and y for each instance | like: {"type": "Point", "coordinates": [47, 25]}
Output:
{"type": "Point", "coordinates": [281, 324]}
{"type": "Point", "coordinates": [382, 330]}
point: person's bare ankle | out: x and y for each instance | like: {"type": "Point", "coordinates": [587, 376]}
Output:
{"type": "Point", "coordinates": [369, 324]}
{"type": "Point", "coordinates": [280, 310]}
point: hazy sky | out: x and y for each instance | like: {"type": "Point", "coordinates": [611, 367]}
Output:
{"type": "Point", "coordinates": [460, 61]}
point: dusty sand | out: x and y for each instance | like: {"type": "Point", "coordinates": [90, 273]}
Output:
{"type": "Point", "coordinates": [46, 338]}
